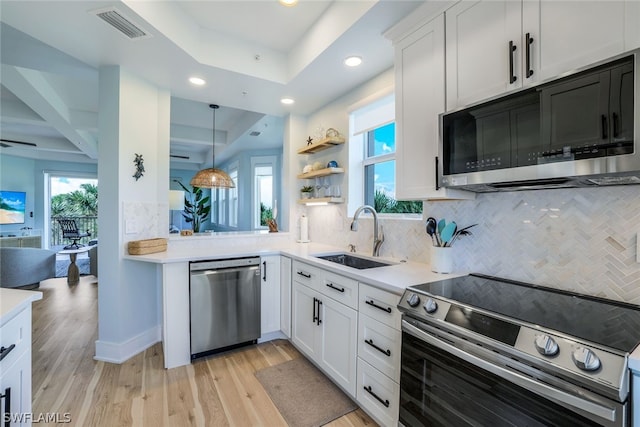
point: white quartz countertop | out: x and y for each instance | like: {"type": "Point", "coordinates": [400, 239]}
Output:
{"type": "Point", "coordinates": [394, 278]}
{"type": "Point", "coordinates": [13, 301]}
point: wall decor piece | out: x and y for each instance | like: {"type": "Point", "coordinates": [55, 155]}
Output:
{"type": "Point", "coordinates": [139, 162]}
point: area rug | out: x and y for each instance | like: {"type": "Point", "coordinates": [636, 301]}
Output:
{"type": "Point", "coordinates": [304, 396]}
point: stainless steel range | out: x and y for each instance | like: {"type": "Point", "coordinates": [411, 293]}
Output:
{"type": "Point", "coordinates": [479, 350]}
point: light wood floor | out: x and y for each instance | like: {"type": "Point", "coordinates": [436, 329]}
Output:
{"type": "Point", "coordinates": [215, 391]}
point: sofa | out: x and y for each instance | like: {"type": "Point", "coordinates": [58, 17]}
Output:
{"type": "Point", "coordinates": [26, 267]}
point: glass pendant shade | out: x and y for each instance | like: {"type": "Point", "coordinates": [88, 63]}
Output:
{"type": "Point", "coordinates": [212, 177]}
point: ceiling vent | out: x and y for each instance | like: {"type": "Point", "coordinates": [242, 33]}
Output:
{"type": "Point", "coordinates": [255, 133]}
{"type": "Point", "coordinates": [120, 22]}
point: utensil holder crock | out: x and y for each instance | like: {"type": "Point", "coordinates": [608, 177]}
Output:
{"type": "Point", "coordinates": [441, 259]}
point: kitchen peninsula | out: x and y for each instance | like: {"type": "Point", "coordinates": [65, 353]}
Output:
{"type": "Point", "coordinates": [173, 274]}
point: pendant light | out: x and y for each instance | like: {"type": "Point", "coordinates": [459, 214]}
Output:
{"type": "Point", "coordinates": [212, 177]}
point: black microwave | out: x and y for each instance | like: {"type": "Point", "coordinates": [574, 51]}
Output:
{"type": "Point", "coordinates": [578, 130]}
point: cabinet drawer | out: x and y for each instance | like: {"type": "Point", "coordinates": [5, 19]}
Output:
{"type": "Point", "coordinates": [378, 394]}
{"type": "Point", "coordinates": [305, 273]}
{"type": "Point", "coordinates": [380, 305]}
{"type": "Point", "coordinates": [379, 345]}
{"type": "Point", "coordinates": [340, 288]}
{"type": "Point", "coordinates": [17, 332]}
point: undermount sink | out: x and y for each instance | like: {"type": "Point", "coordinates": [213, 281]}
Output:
{"type": "Point", "coordinates": [353, 261]}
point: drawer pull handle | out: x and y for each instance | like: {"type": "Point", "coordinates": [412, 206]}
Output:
{"type": "Point", "coordinates": [372, 303]}
{"type": "Point", "coordinates": [330, 285]}
{"type": "Point", "coordinates": [303, 274]}
{"type": "Point", "coordinates": [4, 351]}
{"type": "Point", "coordinates": [7, 406]}
{"type": "Point", "coordinates": [387, 351]}
{"type": "Point", "coordinates": [384, 402]}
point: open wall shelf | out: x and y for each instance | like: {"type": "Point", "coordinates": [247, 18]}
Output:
{"type": "Point", "coordinates": [321, 172]}
{"type": "Point", "coordinates": [323, 144]}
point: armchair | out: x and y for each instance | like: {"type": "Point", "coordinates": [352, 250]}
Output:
{"type": "Point", "coordinates": [70, 231]}
{"type": "Point", "coordinates": [26, 267]}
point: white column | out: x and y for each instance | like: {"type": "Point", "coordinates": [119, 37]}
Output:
{"type": "Point", "coordinates": [133, 119]}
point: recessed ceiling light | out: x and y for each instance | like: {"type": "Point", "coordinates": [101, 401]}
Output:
{"type": "Point", "coordinates": [197, 81]}
{"type": "Point", "coordinates": [288, 3]}
{"type": "Point", "coordinates": [353, 61]}
{"type": "Point", "coordinates": [287, 101]}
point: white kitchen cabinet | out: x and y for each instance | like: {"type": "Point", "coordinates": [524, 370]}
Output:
{"type": "Point", "coordinates": [285, 296]}
{"type": "Point", "coordinates": [379, 353]}
{"type": "Point", "coordinates": [326, 331]}
{"type": "Point", "coordinates": [15, 366]}
{"type": "Point", "coordinates": [567, 37]}
{"type": "Point", "coordinates": [477, 42]}
{"type": "Point", "coordinates": [420, 98]}
{"type": "Point", "coordinates": [304, 324]}
{"type": "Point", "coordinates": [270, 295]}
{"type": "Point", "coordinates": [549, 38]}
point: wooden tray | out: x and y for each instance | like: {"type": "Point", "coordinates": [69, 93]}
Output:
{"type": "Point", "coordinates": [147, 246]}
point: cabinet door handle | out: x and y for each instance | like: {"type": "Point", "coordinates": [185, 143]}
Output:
{"type": "Point", "coordinates": [303, 274]}
{"type": "Point", "coordinates": [387, 351]}
{"type": "Point", "coordinates": [437, 181]}
{"type": "Point", "coordinates": [605, 134]}
{"type": "Point", "coordinates": [264, 271]}
{"type": "Point", "coordinates": [616, 124]}
{"type": "Point", "coordinates": [370, 391]}
{"type": "Point", "coordinates": [330, 285]}
{"type": "Point", "coordinates": [319, 319]}
{"type": "Point", "coordinates": [512, 48]}
{"type": "Point", "coordinates": [528, 55]}
{"type": "Point", "coordinates": [314, 310]}
{"type": "Point", "coordinates": [6, 414]}
{"type": "Point", "coordinates": [4, 351]}
{"type": "Point", "coordinates": [373, 304]}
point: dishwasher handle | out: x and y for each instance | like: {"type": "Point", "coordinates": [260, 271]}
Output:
{"type": "Point", "coordinates": [220, 264]}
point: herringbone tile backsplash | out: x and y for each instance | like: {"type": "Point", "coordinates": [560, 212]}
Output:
{"type": "Point", "coordinates": [583, 240]}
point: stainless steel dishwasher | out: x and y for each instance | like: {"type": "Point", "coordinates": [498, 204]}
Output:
{"type": "Point", "coordinates": [224, 304]}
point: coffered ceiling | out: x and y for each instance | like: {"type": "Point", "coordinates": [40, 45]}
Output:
{"type": "Point", "coordinates": [250, 53]}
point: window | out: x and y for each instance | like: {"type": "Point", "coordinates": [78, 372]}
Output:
{"type": "Point", "coordinates": [373, 157]}
{"type": "Point", "coordinates": [233, 199]}
{"type": "Point", "coordinates": [264, 171]}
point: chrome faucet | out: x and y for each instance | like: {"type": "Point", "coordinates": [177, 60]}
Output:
{"type": "Point", "coordinates": [377, 242]}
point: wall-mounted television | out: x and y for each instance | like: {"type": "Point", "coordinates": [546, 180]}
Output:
{"type": "Point", "coordinates": [12, 207]}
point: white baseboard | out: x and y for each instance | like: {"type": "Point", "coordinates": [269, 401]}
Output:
{"type": "Point", "coordinates": [121, 352]}
{"type": "Point", "coordinates": [270, 336]}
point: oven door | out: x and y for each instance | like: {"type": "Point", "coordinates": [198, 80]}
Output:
{"type": "Point", "coordinates": [444, 385]}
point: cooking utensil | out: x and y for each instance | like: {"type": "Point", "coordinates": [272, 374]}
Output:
{"type": "Point", "coordinates": [441, 224]}
{"type": "Point", "coordinates": [447, 232]}
{"type": "Point", "coordinates": [431, 230]}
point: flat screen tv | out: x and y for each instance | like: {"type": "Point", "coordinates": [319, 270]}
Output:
{"type": "Point", "coordinates": [12, 207]}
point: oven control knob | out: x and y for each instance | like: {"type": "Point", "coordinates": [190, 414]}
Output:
{"type": "Point", "coordinates": [430, 306]}
{"type": "Point", "coordinates": [546, 345]}
{"type": "Point", "coordinates": [585, 359]}
{"type": "Point", "coordinates": [413, 300]}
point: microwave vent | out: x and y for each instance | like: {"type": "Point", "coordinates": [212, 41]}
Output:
{"type": "Point", "coordinates": [615, 180]}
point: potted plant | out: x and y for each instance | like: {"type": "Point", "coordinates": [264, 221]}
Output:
{"type": "Point", "coordinates": [306, 191]}
{"type": "Point", "coordinates": [196, 206]}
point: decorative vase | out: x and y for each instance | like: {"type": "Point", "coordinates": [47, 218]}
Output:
{"type": "Point", "coordinates": [306, 195]}
{"type": "Point", "coordinates": [441, 259]}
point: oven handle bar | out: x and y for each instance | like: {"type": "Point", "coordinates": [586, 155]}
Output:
{"type": "Point", "coordinates": [539, 388]}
